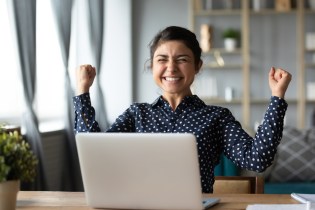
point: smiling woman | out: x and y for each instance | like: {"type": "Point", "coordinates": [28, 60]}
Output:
{"type": "Point", "coordinates": [175, 60]}
{"type": "Point", "coordinates": [171, 66]}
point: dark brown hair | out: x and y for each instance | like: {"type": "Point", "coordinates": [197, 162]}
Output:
{"type": "Point", "coordinates": [179, 34]}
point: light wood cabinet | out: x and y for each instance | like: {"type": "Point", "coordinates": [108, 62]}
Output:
{"type": "Point", "coordinates": [268, 38]}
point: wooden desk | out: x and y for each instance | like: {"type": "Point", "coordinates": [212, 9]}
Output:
{"type": "Point", "coordinates": [39, 200]}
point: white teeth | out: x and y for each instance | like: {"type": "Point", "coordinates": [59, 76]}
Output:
{"type": "Point", "coordinates": [171, 78]}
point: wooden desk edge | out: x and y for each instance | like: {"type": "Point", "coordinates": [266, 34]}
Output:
{"type": "Point", "coordinates": [72, 200]}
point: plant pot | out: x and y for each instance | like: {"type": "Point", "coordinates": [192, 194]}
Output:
{"type": "Point", "coordinates": [8, 194]}
{"type": "Point", "coordinates": [230, 44]}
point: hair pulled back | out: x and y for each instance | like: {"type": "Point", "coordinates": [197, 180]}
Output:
{"type": "Point", "coordinates": [176, 33]}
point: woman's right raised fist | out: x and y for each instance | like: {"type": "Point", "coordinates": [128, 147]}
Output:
{"type": "Point", "coordinates": [85, 75]}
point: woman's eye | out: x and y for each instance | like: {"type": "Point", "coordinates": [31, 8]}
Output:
{"type": "Point", "coordinates": [182, 60]}
{"type": "Point", "coordinates": [161, 60]}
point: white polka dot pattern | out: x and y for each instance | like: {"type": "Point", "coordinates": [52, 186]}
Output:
{"type": "Point", "coordinates": [215, 128]}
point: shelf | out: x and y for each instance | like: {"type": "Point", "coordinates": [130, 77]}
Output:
{"type": "Point", "coordinates": [310, 65]}
{"type": "Point", "coordinates": [273, 12]}
{"type": "Point", "coordinates": [219, 62]}
{"type": "Point", "coordinates": [216, 101]}
{"type": "Point", "coordinates": [219, 12]}
{"type": "Point", "coordinates": [223, 51]}
{"type": "Point", "coordinates": [227, 66]}
{"type": "Point", "coordinates": [266, 101]}
{"type": "Point", "coordinates": [253, 101]}
{"type": "Point", "coordinates": [300, 21]}
{"type": "Point", "coordinates": [309, 11]}
{"type": "Point", "coordinates": [233, 12]}
{"type": "Point", "coordinates": [310, 50]}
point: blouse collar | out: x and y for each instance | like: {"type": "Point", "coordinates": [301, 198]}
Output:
{"type": "Point", "coordinates": [188, 101]}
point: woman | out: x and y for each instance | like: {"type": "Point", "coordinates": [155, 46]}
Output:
{"type": "Point", "coordinates": [175, 60]}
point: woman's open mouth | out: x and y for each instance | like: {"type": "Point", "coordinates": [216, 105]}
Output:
{"type": "Point", "coordinates": [171, 79]}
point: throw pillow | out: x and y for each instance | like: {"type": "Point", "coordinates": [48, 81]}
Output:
{"type": "Point", "coordinates": [295, 159]}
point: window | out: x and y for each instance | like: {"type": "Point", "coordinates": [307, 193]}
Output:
{"type": "Point", "coordinates": [50, 103]}
{"type": "Point", "coordinates": [50, 89]}
{"type": "Point", "coordinates": [11, 103]}
{"type": "Point", "coordinates": [50, 98]}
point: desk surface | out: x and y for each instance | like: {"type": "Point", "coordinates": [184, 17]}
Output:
{"type": "Point", "coordinates": [40, 200]}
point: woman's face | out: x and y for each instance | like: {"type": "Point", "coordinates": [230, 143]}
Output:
{"type": "Point", "coordinates": [174, 68]}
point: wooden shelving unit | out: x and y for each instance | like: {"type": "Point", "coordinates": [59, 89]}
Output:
{"type": "Point", "coordinates": [242, 16]}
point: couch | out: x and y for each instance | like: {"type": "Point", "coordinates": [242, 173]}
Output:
{"type": "Point", "coordinates": [293, 169]}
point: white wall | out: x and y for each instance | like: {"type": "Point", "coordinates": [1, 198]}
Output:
{"type": "Point", "coordinates": [150, 16]}
{"type": "Point", "coordinates": [117, 63]}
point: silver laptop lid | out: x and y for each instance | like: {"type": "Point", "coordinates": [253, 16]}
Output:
{"type": "Point", "coordinates": [140, 171]}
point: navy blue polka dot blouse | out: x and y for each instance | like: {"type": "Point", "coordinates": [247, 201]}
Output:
{"type": "Point", "coordinates": [215, 128]}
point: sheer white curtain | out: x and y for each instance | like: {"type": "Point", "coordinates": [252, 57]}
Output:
{"type": "Point", "coordinates": [49, 74]}
{"type": "Point", "coordinates": [34, 72]}
{"type": "Point", "coordinates": [96, 26]}
{"type": "Point", "coordinates": [11, 105]}
{"type": "Point", "coordinates": [51, 94]}
{"type": "Point", "coordinates": [63, 15]}
{"type": "Point", "coordinates": [50, 69]}
{"type": "Point", "coordinates": [23, 20]}
{"type": "Point", "coordinates": [48, 93]}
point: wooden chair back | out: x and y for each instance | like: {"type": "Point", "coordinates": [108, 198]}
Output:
{"type": "Point", "coordinates": [238, 185]}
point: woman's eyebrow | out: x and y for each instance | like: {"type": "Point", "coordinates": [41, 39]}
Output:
{"type": "Point", "coordinates": [161, 55]}
{"type": "Point", "coordinates": [181, 55]}
{"type": "Point", "coordinates": [184, 55]}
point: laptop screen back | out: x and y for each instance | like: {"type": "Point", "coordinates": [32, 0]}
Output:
{"type": "Point", "coordinates": [140, 171]}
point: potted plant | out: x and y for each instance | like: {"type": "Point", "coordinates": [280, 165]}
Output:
{"type": "Point", "coordinates": [231, 37]}
{"type": "Point", "coordinates": [17, 164]}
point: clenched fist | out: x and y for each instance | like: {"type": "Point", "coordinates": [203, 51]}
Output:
{"type": "Point", "coordinates": [85, 75]}
{"type": "Point", "coordinates": [279, 80]}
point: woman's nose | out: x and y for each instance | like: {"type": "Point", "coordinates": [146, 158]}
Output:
{"type": "Point", "coordinates": [172, 67]}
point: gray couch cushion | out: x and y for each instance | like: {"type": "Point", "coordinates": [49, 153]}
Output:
{"type": "Point", "coordinates": [295, 159]}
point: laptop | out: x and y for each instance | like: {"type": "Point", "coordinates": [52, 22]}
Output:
{"type": "Point", "coordinates": [141, 171]}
